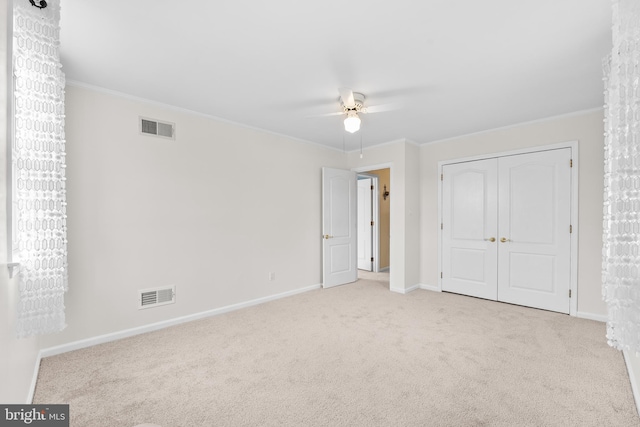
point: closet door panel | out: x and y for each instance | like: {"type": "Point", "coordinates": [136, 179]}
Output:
{"type": "Point", "coordinates": [469, 212]}
{"type": "Point", "coordinates": [534, 251]}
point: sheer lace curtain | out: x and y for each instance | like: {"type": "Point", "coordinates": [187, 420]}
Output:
{"type": "Point", "coordinates": [38, 168]}
{"type": "Point", "coordinates": [621, 251]}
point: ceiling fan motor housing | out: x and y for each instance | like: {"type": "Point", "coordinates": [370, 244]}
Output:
{"type": "Point", "coordinates": [358, 100]}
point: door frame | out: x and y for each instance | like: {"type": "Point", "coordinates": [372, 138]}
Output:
{"type": "Point", "coordinates": [375, 248]}
{"type": "Point", "coordinates": [573, 145]}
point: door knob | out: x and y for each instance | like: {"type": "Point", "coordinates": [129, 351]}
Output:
{"type": "Point", "coordinates": [491, 239]}
{"type": "Point", "coordinates": [326, 236]}
{"type": "Point", "coordinates": [504, 239]}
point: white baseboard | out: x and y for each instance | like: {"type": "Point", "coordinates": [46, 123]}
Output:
{"type": "Point", "coordinates": [592, 316]}
{"type": "Point", "coordinates": [433, 288]}
{"type": "Point", "coordinates": [34, 379]}
{"type": "Point", "coordinates": [101, 339]}
{"type": "Point", "coordinates": [405, 290]}
{"type": "Point", "coordinates": [633, 378]}
{"type": "Point", "coordinates": [414, 287]}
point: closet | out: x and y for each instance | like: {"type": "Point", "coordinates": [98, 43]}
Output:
{"type": "Point", "coordinates": [506, 228]}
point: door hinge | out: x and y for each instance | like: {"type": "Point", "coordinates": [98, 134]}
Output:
{"type": "Point", "coordinates": [441, 226]}
{"type": "Point", "coordinates": [441, 177]}
{"type": "Point", "coordinates": [569, 293]}
{"type": "Point", "coordinates": [372, 223]}
{"type": "Point", "coordinates": [441, 274]}
{"type": "Point", "coordinates": [570, 163]}
{"type": "Point", "coordinates": [570, 229]}
{"type": "Point", "coordinates": [371, 259]}
{"type": "Point", "coordinates": [372, 188]}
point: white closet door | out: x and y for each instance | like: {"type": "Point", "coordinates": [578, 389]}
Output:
{"type": "Point", "coordinates": [469, 212]}
{"type": "Point", "coordinates": [534, 255]}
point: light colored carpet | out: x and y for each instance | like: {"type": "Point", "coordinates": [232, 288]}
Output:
{"type": "Point", "coordinates": [355, 355]}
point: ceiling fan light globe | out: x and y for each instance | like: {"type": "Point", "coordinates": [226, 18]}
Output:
{"type": "Point", "coordinates": [352, 123]}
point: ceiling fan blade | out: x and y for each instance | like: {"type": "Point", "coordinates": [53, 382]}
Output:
{"type": "Point", "coordinates": [341, 113]}
{"type": "Point", "coordinates": [381, 108]}
{"type": "Point", "coordinates": [346, 95]}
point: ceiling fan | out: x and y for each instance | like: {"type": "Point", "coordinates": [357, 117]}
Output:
{"type": "Point", "coordinates": [352, 104]}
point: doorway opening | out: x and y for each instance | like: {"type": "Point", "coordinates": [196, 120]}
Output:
{"type": "Point", "coordinates": [374, 196]}
{"type": "Point", "coordinates": [340, 225]}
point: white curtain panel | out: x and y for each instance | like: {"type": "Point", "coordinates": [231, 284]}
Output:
{"type": "Point", "coordinates": [621, 251]}
{"type": "Point", "coordinates": [38, 169]}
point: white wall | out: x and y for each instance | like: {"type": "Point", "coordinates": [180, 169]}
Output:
{"type": "Point", "coordinates": [587, 128]}
{"type": "Point", "coordinates": [412, 215]}
{"type": "Point", "coordinates": [402, 158]}
{"type": "Point", "coordinates": [213, 212]}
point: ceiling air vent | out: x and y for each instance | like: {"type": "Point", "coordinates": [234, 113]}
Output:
{"type": "Point", "coordinates": [157, 128]}
{"type": "Point", "coordinates": [148, 298]}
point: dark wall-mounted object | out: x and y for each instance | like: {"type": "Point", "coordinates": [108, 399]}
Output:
{"type": "Point", "coordinates": [40, 4]}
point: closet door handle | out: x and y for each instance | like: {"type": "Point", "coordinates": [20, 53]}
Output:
{"type": "Point", "coordinates": [504, 239]}
{"type": "Point", "coordinates": [491, 239]}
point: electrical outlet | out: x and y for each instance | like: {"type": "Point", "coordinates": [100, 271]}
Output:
{"type": "Point", "coordinates": [272, 276]}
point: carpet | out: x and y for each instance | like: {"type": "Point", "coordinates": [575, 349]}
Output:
{"type": "Point", "coordinates": [354, 355]}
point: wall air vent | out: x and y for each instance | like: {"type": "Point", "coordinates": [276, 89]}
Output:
{"type": "Point", "coordinates": [157, 128]}
{"type": "Point", "coordinates": [148, 298]}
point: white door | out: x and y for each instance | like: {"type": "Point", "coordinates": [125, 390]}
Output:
{"type": "Point", "coordinates": [469, 228]}
{"type": "Point", "coordinates": [338, 227]}
{"type": "Point", "coordinates": [534, 255]}
{"type": "Point", "coordinates": [365, 224]}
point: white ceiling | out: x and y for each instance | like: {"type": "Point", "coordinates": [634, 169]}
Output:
{"type": "Point", "coordinates": [453, 66]}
